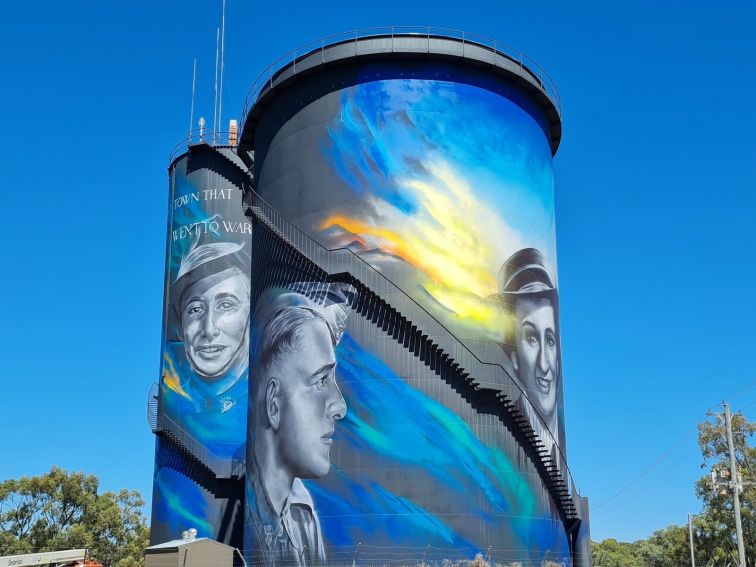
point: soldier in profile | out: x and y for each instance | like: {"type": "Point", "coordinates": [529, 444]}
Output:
{"type": "Point", "coordinates": [295, 406]}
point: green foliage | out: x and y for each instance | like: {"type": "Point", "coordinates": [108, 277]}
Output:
{"type": "Point", "coordinates": [714, 527]}
{"type": "Point", "coordinates": [613, 553]}
{"type": "Point", "coordinates": [62, 510]}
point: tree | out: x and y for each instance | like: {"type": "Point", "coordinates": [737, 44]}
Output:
{"type": "Point", "coordinates": [714, 527]}
{"type": "Point", "coordinates": [668, 547]}
{"type": "Point", "coordinates": [62, 510]}
{"type": "Point", "coordinates": [613, 553]}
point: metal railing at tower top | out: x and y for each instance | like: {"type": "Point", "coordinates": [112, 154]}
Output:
{"type": "Point", "coordinates": [223, 139]}
{"type": "Point", "coordinates": [499, 52]}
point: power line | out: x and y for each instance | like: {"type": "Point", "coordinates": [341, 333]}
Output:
{"type": "Point", "coordinates": [668, 451]}
{"type": "Point", "coordinates": [738, 392]}
{"type": "Point", "coordinates": [648, 486]}
{"type": "Point", "coordinates": [648, 470]}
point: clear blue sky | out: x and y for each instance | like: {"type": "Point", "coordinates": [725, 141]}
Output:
{"type": "Point", "coordinates": [656, 180]}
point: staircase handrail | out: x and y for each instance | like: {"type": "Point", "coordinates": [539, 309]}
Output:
{"type": "Point", "coordinates": [304, 242]}
{"type": "Point", "coordinates": [220, 466]}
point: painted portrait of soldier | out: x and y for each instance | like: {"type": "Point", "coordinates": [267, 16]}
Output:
{"type": "Point", "coordinates": [527, 292]}
{"type": "Point", "coordinates": [210, 309]}
{"type": "Point", "coordinates": [295, 407]}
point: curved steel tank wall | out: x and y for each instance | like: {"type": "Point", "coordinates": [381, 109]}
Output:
{"type": "Point", "coordinates": [202, 408]}
{"type": "Point", "coordinates": [437, 175]}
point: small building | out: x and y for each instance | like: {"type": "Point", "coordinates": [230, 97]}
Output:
{"type": "Point", "coordinates": [199, 552]}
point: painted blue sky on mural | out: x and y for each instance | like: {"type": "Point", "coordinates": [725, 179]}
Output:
{"type": "Point", "coordinates": [390, 131]}
{"type": "Point", "coordinates": [450, 179]}
{"type": "Point", "coordinates": [392, 426]}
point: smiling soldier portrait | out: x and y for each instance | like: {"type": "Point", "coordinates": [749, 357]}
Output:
{"type": "Point", "coordinates": [532, 340]}
{"type": "Point", "coordinates": [296, 403]}
{"type": "Point", "coordinates": [212, 319]}
{"type": "Point", "coordinates": [214, 316]}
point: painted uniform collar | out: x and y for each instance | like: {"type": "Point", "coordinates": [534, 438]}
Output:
{"type": "Point", "coordinates": [278, 527]}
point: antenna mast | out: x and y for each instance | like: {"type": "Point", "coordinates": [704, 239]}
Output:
{"type": "Point", "coordinates": [222, 44]}
{"type": "Point", "coordinates": [215, 99]}
{"type": "Point", "coordinates": [191, 112]}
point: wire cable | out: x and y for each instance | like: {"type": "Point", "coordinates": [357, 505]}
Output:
{"type": "Point", "coordinates": [644, 473]}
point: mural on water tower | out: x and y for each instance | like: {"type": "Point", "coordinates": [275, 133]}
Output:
{"type": "Point", "coordinates": [204, 378]}
{"type": "Point", "coordinates": [446, 188]}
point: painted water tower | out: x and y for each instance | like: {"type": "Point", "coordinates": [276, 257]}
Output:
{"type": "Point", "coordinates": [405, 391]}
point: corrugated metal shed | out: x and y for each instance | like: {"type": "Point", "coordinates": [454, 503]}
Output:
{"type": "Point", "coordinates": [183, 553]}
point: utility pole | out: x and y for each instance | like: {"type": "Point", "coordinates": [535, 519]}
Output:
{"type": "Point", "coordinates": [735, 486]}
{"type": "Point", "coordinates": [690, 535]}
